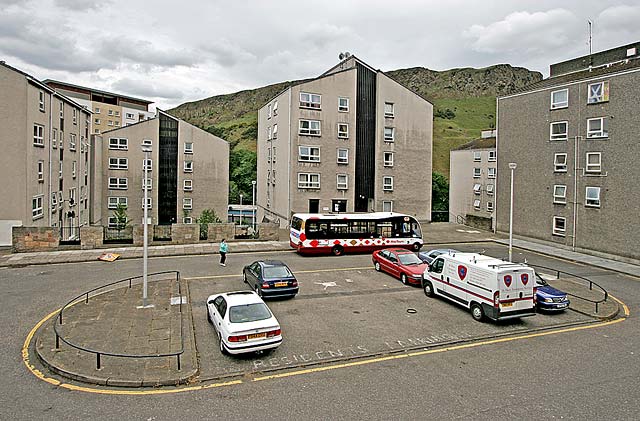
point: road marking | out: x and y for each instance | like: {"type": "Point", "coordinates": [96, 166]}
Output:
{"type": "Point", "coordinates": [55, 382]}
{"type": "Point", "coordinates": [199, 278]}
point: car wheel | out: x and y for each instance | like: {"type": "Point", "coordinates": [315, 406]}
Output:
{"type": "Point", "coordinates": [403, 278]}
{"type": "Point", "coordinates": [377, 266]}
{"type": "Point", "coordinates": [244, 277]}
{"type": "Point", "coordinates": [428, 289]}
{"type": "Point", "coordinates": [416, 247]}
{"type": "Point", "coordinates": [476, 312]}
{"type": "Point", "coordinates": [258, 290]}
{"type": "Point", "coordinates": [337, 250]}
{"type": "Point", "coordinates": [223, 349]}
{"type": "Point", "coordinates": [209, 317]}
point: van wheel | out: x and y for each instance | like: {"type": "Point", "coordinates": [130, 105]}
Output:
{"type": "Point", "coordinates": [428, 289]}
{"type": "Point", "coordinates": [377, 266]}
{"type": "Point", "coordinates": [476, 312]}
{"type": "Point", "coordinates": [403, 278]}
{"type": "Point", "coordinates": [416, 247]}
{"type": "Point", "coordinates": [209, 317]}
{"type": "Point", "coordinates": [337, 250]}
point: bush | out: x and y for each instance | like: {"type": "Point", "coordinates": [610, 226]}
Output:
{"type": "Point", "coordinates": [447, 114]}
{"type": "Point", "coordinates": [208, 216]}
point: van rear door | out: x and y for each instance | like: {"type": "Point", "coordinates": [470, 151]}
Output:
{"type": "Point", "coordinates": [516, 289]}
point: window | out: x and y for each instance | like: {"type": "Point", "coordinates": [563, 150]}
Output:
{"type": "Point", "coordinates": [490, 189]}
{"type": "Point", "coordinates": [310, 100]}
{"type": "Point", "coordinates": [117, 113]}
{"type": "Point", "coordinates": [559, 225]}
{"type": "Point", "coordinates": [113, 222]}
{"type": "Point", "coordinates": [308, 181]}
{"type": "Point", "coordinates": [389, 133]}
{"type": "Point", "coordinates": [129, 116]}
{"type": "Point", "coordinates": [110, 112]}
{"type": "Point", "coordinates": [493, 156]}
{"type": "Point", "coordinates": [61, 139]}
{"type": "Point", "coordinates": [343, 131]}
{"type": "Point", "coordinates": [117, 123]}
{"type": "Point", "coordinates": [147, 183]}
{"type": "Point", "coordinates": [387, 206]}
{"type": "Point", "coordinates": [41, 101]}
{"type": "Point", "coordinates": [116, 183]}
{"type": "Point", "coordinates": [489, 206]}
{"type": "Point", "coordinates": [115, 201]}
{"type": "Point", "coordinates": [560, 162]}
{"type": "Point", "coordinates": [477, 188]}
{"type": "Point", "coordinates": [592, 197]}
{"type": "Point", "coordinates": [388, 159]}
{"type": "Point", "coordinates": [72, 142]}
{"type": "Point", "coordinates": [188, 166]}
{"type": "Point", "coordinates": [491, 173]}
{"type": "Point", "coordinates": [273, 178]}
{"type": "Point", "coordinates": [598, 92]}
{"type": "Point", "coordinates": [61, 110]}
{"type": "Point", "coordinates": [343, 156]}
{"type": "Point", "coordinates": [387, 183]}
{"type": "Point", "coordinates": [343, 104]}
{"type": "Point", "coordinates": [477, 156]}
{"type": "Point", "coordinates": [118, 163]}
{"type": "Point", "coordinates": [149, 202]}
{"type": "Point", "coordinates": [118, 143]}
{"type": "Point", "coordinates": [275, 131]}
{"type": "Point", "coordinates": [54, 139]}
{"type": "Point", "coordinates": [275, 108]}
{"type": "Point", "coordinates": [187, 220]}
{"type": "Point", "coordinates": [188, 147]}
{"type": "Point", "coordinates": [558, 130]}
{"type": "Point", "coordinates": [477, 172]}
{"type": "Point", "coordinates": [187, 203]}
{"type": "Point", "coordinates": [60, 199]}
{"type": "Point", "coordinates": [594, 162]}
{"type": "Point", "coordinates": [342, 182]}
{"type": "Point", "coordinates": [74, 169]}
{"type": "Point", "coordinates": [72, 196]}
{"type": "Point", "coordinates": [559, 99]}
{"type": "Point", "coordinates": [38, 135]}
{"type": "Point", "coordinates": [308, 154]}
{"type": "Point", "coordinates": [187, 185]}
{"type": "Point", "coordinates": [41, 171]}
{"type": "Point", "coordinates": [269, 133]}
{"type": "Point", "coordinates": [268, 154]}
{"type": "Point", "coordinates": [60, 169]}
{"type": "Point", "coordinates": [273, 157]}
{"type": "Point", "coordinates": [96, 131]}
{"type": "Point", "coordinates": [36, 207]}
{"type": "Point", "coordinates": [110, 123]}
{"type": "Point", "coordinates": [147, 164]}
{"type": "Point", "coordinates": [97, 110]}
{"type": "Point", "coordinates": [560, 194]}
{"type": "Point", "coordinates": [269, 111]}
{"type": "Point", "coordinates": [388, 109]}
{"type": "Point", "coordinates": [597, 127]}
{"type": "Point", "coordinates": [74, 116]}
{"type": "Point", "coordinates": [54, 202]}
{"type": "Point", "coordinates": [476, 204]}
{"type": "Point", "coordinates": [96, 121]}
{"type": "Point", "coordinates": [309, 127]}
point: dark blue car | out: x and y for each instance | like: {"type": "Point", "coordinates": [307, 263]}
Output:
{"type": "Point", "coordinates": [550, 299]}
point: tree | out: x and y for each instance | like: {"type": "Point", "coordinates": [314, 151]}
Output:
{"type": "Point", "coordinates": [242, 166]}
{"type": "Point", "coordinates": [120, 214]}
{"type": "Point", "coordinates": [439, 196]}
{"type": "Point", "coordinates": [208, 216]}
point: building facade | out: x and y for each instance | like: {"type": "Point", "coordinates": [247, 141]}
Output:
{"type": "Point", "coordinates": [45, 163]}
{"type": "Point", "coordinates": [574, 139]}
{"type": "Point", "coordinates": [472, 182]}
{"type": "Point", "coordinates": [351, 140]}
{"type": "Point", "coordinates": [110, 110]}
{"type": "Point", "coordinates": [187, 172]}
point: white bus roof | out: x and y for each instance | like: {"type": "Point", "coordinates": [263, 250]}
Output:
{"type": "Point", "coordinates": [338, 216]}
{"type": "Point", "coordinates": [486, 262]}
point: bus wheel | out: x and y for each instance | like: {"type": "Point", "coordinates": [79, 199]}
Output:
{"type": "Point", "coordinates": [476, 312]}
{"type": "Point", "coordinates": [337, 250]}
{"type": "Point", "coordinates": [416, 247]}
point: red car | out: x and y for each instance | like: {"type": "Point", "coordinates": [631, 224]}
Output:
{"type": "Point", "coordinates": [400, 263]}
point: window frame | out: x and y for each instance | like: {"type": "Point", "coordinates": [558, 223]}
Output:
{"type": "Point", "coordinates": [188, 149]}
{"type": "Point", "coordinates": [387, 183]}
{"type": "Point", "coordinates": [187, 184]}
{"type": "Point", "coordinates": [598, 166]}
{"type": "Point", "coordinates": [309, 156]}
{"type": "Point", "coordinates": [119, 144]}
{"type": "Point", "coordinates": [559, 105]}
{"type": "Point", "coordinates": [345, 158]}
{"type": "Point", "coordinates": [493, 156]}
{"type": "Point", "coordinates": [311, 104]}
{"type": "Point", "coordinates": [603, 133]}
{"type": "Point", "coordinates": [604, 92]}
{"type": "Point", "coordinates": [187, 166]}
{"type": "Point", "coordinates": [187, 220]}
{"type": "Point", "coordinates": [37, 206]}
{"type": "Point", "coordinates": [477, 156]}
{"type": "Point", "coordinates": [477, 188]}
{"type": "Point", "coordinates": [491, 172]}
{"type": "Point", "coordinates": [147, 164]}
{"type": "Point", "coordinates": [149, 202]}
{"type": "Point", "coordinates": [559, 137]}
{"type": "Point", "coordinates": [343, 108]}
{"type": "Point", "coordinates": [391, 114]}
{"type": "Point", "coordinates": [489, 206]}
{"type": "Point", "coordinates": [562, 232]}
{"type": "Point", "coordinates": [477, 204]}
{"type": "Point", "coordinates": [118, 185]}
{"type": "Point", "coordinates": [557, 198]}
{"type": "Point", "coordinates": [117, 200]}
{"type": "Point", "coordinates": [119, 163]}
{"type": "Point", "coordinates": [308, 183]}
{"type": "Point", "coordinates": [343, 134]}
{"type": "Point", "coordinates": [309, 131]}
{"type": "Point", "coordinates": [40, 170]}
{"type": "Point", "coordinates": [147, 183]}
{"type": "Point", "coordinates": [477, 172]}
{"type": "Point", "coordinates": [41, 101]}
{"type": "Point", "coordinates": [38, 135]}
{"type": "Point", "coordinates": [392, 137]}
{"type": "Point", "coordinates": [557, 166]}
{"type": "Point", "coordinates": [490, 189]}
{"type": "Point", "coordinates": [390, 202]}
{"type": "Point", "coordinates": [592, 202]}
{"type": "Point", "coordinates": [187, 203]}
{"type": "Point", "coordinates": [342, 185]}
{"type": "Point", "coordinates": [388, 162]}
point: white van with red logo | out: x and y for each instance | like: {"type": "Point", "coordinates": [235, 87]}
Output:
{"type": "Point", "coordinates": [490, 287]}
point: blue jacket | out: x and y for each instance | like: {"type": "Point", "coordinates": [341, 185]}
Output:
{"type": "Point", "coordinates": [224, 247]}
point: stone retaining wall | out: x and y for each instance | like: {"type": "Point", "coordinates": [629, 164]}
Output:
{"type": "Point", "coordinates": [91, 237]}
{"type": "Point", "coordinates": [216, 232]}
{"type": "Point", "coordinates": [25, 239]}
{"type": "Point", "coordinates": [185, 233]}
{"type": "Point", "coordinates": [268, 232]}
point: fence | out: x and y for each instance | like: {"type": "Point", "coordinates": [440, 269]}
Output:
{"type": "Point", "coordinates": [118, 235]}
{"type": "Point", "coordinates": [70, 235]}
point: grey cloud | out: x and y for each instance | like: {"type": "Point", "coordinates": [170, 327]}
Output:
{"type": "Point", "coordinates": [619, 18]}
{"type": "Point", "coordinates": [78, 5]}
{"type": "Point", "coordinates": [322, 34]}
{"type": "Point", "coordinates": [145, 89]}
{"type": "Point", "coordinates": [226, 54]}
{"type": "Point", "coordinates": [144, 52]}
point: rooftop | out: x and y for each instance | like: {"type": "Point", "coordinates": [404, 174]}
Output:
{"type": "Point", "coordinates": [59, 84]}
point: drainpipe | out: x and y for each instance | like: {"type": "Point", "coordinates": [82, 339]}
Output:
{"type": "Point", "coordinates": [495, 183]}
{"type": "Point", "coordinates": [50, 152]}
{"type": "Point", "coordinates": [575, 192]}
{"type": "Point", "coordinates": [288, 163]}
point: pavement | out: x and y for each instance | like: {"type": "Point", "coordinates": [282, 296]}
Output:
{"type": "Point", "coordinates": [111, 323]}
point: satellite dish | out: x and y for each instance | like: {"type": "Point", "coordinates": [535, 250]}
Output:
{"type": "Point", "coordinates": [341, 56]}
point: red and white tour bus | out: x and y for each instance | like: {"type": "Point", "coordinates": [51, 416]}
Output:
{"type": "Point", "coordinates": [353, 232]}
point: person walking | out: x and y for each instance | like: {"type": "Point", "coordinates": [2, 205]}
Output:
{"type": "Point", "coordinates": [224, 248]}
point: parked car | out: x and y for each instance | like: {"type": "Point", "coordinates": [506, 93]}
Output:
{"type": "Point", "coordinates": [401, 263]}
{"type": "Point", "coordinates": [243, 322]}
{"type": "Point", "coordinates": [429, 256]}
{"type": "Point", "coordinates": [270, 278]}
{"type": "Point", "coordinates": [549, 298]}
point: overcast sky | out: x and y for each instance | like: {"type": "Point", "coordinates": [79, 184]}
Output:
{"type": "Point", "coordinates": [173, 51]}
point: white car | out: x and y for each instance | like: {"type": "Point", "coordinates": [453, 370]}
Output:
{"type": "Point", "coordinates": [243, 322]}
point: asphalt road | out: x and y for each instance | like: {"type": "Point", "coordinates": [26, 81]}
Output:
{"type": "Point", "coordinates": [587, 374]}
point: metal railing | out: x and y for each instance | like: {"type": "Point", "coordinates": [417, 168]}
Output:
{"type": "Point", "coordinates": [99, 353]}
{"type": "Point", "coordinates": [591, 284]}
{"type": "Point", "coordinates": [118, 235]}
{"type": "Point", "coordinates": [70, 235]}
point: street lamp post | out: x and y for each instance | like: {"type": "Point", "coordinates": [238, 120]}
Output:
{"type": "Point", "coordinates": [512, 167]}
{"type": "Point", "coordinates": [253, 209]}
{"type": "Point", "coordinates": [241, 211]}
{"type": "Point", "coordinates": [146, 148]}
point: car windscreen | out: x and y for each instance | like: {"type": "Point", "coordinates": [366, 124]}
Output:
{"type": "Point", "coordinates": [277, 272]}
{"type": "Point", "coordinates": [249, 313]}
{"type": "Point", "coordinates": [409, 259]}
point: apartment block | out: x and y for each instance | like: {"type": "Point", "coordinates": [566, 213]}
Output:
{"type": "Point", "coordinates": [187, 171]}
{"type": "Point", "coordinates": [472, 182]}
{"type": "Point", "coordinates": [350, 140]}
{"type": "Point", "coordinates": [574, 139]}
{"type": "Point", "coordinates": [45, 162]}
{"type": "Point", "coordinates": [110, 110]}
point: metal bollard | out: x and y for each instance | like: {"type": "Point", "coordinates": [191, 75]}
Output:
{"type": "Point", "coordinates": [178, 361]}
{"type": "Point", "coordinates": [98, 361]}
{"type": "Point", "coordinates": [57, 341]}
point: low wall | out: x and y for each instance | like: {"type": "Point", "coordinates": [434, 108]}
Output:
{"type": "Point", "coordinates": [216, 232]}
{"type": "Point", "coordinates": [479, 222]}
{"type": "Point", "coordinates": [268, 232]}
{"type": "Point", "coordinates": [138, 234]}
{"type": "Point", "coordinates": [185, 233]}
{"type": "Point", "coordinates": [91, 237]}
{"type": "Point", "coordinates": [26, 239]}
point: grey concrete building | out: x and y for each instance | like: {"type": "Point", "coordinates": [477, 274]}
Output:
{"type": "Point", "coordinates": [350, 140]}
{"type": "Point", "coordinates": [188, 172]}
{"type": "Point", "coordinates": [45, 162]}
{"type": "Point", "coordinates": [574, 139]}
{"type": "Point", "coordinates": [472, 182]}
